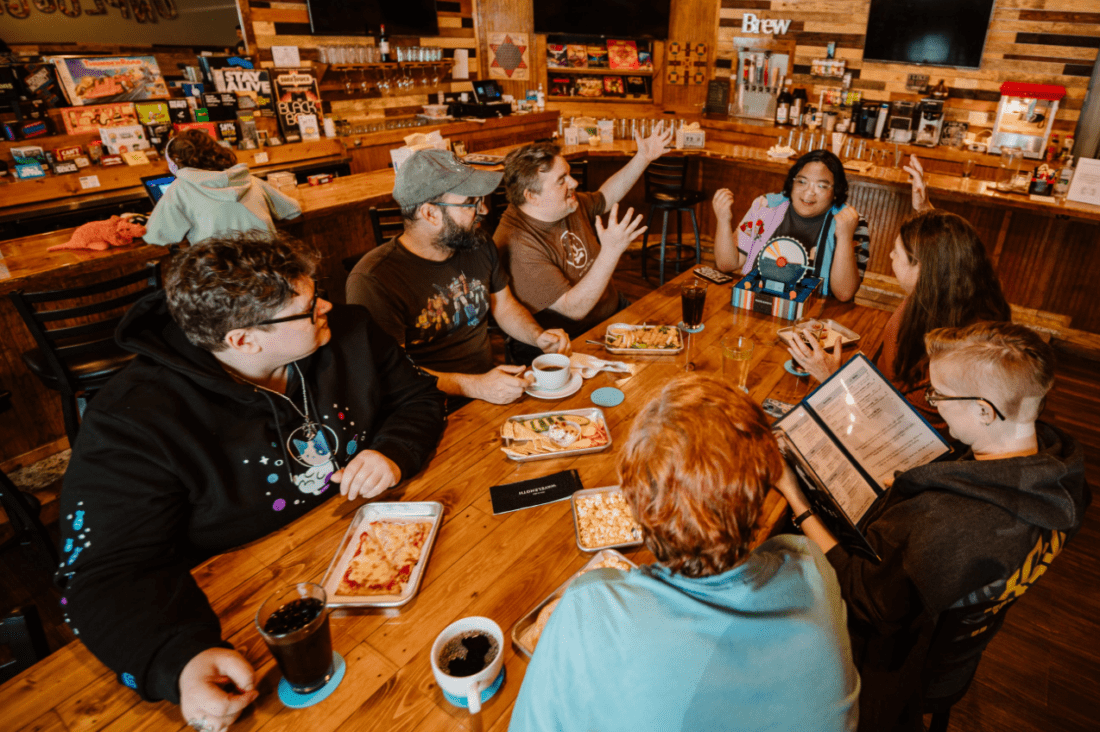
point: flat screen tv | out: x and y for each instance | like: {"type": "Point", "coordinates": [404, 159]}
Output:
{"type": "Point", "coordinates": [932, 32]}
{"type": "Point", "coordinates": [611, 18]}
{"type": "Point", "coordinates": [363, 17]}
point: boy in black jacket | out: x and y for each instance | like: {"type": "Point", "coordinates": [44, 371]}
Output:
{"type": "Point", "coordinates": [972, 533]}
{"type": "Point", "coordinates": [250, 397]}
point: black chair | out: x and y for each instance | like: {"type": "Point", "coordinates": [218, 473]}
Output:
{"type": "Point", "coordinates": [666, 190]}
{"type": "Point", "coordinates": [578, 170]}
{"type": "Point", "coordinates": [958, 642]}
{"type": "Point", "coordinates": [77, 353]}
{"type": "Point", "coordinates": [386, 223]}
{"type": "Point", "coordinates": [23, 511]}
{"type": "Point", "coordinates": [21, 632]}
{"type": "Point", "coordinates": [497, 203]}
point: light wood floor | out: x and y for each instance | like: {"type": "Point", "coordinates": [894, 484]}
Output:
{"type": "Point", "coordinates": [1042, 673]}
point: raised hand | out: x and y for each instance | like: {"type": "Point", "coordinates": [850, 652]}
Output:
{"type": "Point", "coordinates": [618, 233]}
{"type": "Point", "coordinates": [916, 178]}
{"type": "Point", "coordinates": [656, 144]}
{"type": "Point", "coordinates": [722, 203]}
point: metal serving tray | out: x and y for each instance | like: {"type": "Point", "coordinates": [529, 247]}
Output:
{"type": "Point", "coordinates": [847, 335]}
{"type": "Point", "coordinates": [529, 619]}
{"type": "Point", "coordinates": [431, 510]}
{"type": "Point", "coordinates": [577, 523]}
{"type": "Point", "coordinates": [641, 351]}
{"type": "Point", "coordinates": [592, 413]}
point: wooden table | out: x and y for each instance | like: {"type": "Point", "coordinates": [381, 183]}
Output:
{"type": "Point", "coordinates": [496, 566]}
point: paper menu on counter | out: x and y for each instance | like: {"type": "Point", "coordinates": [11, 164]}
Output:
{"type": "Point", "coordinates": [1085, 186]}
{"type": "Point", "coordinates": [849, 438]}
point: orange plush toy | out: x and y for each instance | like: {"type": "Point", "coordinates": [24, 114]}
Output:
{"type": "Point", "coordinates": [101, 235]}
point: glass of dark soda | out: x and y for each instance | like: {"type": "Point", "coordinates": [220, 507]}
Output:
{"type": "Point", "coordinates": [693, 296]}
{"type": "Point", "coordinates": [294, 624]}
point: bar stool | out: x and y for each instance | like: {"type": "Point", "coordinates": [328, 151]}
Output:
{"type": "Point", "coordinates": [77, 353]}
{"type": "Point", "coordinates": [386, 223]}
{"type": "Point", "coordinates": [666, 190]}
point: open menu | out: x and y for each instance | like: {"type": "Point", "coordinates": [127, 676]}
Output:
{"type": "Point", "coordinates": [848, 439]}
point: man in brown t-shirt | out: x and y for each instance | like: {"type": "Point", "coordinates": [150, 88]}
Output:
{"type": "Point", "coordinates": [559, 253]}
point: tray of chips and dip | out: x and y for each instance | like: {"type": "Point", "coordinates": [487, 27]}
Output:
{"type": "Point", "coordinates": [603, 520]}
{"type": "Point", "coordinates": [555, 434]}
{"type": "Point", "coordinates": [643, 340]}
{"type": "Point", "coordinates": [828, 334]}
{"type": "Point", "coordinates": [383, 554]}
{"type": "Point", "coordinates": [526, 631]}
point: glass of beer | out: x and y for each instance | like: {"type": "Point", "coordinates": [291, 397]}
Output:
{"type": "Point", "coordinates": [736, 357]}
{"type": "Point", "coordinates": [693, 296]}
{"type": "Point", "coordinates": [294, 624]}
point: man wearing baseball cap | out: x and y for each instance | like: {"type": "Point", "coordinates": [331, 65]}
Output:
{"type": "Point", "coordinates": [433, 287]}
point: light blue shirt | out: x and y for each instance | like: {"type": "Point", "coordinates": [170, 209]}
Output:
{"type": "Point", "coordinates": [204, 203]}
{"type": "Point", "coordinates": [761, 647]}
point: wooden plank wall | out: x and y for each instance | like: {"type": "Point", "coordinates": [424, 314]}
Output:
{"type": "Point", "coordinates": [273, 23]}
{"type": "Point", "coordinates": [1039, 41]}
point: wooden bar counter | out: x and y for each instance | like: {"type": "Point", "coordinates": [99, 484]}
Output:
{"type": "Point", "coordinates": [1045, 254]}
{"type": "Point", "coordinates": [495, 566]}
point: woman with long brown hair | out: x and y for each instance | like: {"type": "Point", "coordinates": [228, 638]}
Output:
{"type": "Point", "coordinates": [941, 264]}
{"type": "Point", "coordinates": [213, 194]}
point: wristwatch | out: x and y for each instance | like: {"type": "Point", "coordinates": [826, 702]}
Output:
{"type": "Point", "coordinates": [797, 520]}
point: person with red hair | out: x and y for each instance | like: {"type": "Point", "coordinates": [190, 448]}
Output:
{"type": "Point", "coordinates": [716, 635]}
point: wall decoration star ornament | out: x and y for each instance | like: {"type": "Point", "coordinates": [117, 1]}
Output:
{"type": "Point", "coordinates": [509, 56]}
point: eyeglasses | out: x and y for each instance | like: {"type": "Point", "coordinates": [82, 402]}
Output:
{"type": "Point", "coordinates": [821, 185]}
{"type": "Point", "coordinates": [474, 204]}
{"type": "Point", "coordinates": [933, 398]}
{"type": "Point", "coordinates": [318, 294]}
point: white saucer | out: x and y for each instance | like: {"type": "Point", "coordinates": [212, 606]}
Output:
{"type": "Point", "coordinates": [571, 387]}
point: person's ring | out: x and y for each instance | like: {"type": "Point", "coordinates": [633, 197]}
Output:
{"type": "Point", "coordinates": [200, 725]}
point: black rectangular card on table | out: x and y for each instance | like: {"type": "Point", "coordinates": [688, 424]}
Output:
{"type": "Point", "coordinates": [534, 492]}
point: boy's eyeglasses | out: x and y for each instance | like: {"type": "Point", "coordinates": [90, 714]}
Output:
{"type": "Point", "coordinates": [318, 294]}
{"type": "Point", "coordinates": [933, 398]}
{"type": "Point", "coordinates": [821, 185]}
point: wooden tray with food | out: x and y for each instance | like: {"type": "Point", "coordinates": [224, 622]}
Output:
{"type": "Point", "coordinates": [603, 520]}
{"type": "Point", "coordinates": [555, 434]}
{"type": "Point", "coordinates": [828, 333]}
{"type": "Point", "coordinates": [526, 631]}
{"type": "Point", "coordinates": [382, 556]}
{"type": "Point", "coordinates": [643, 340]}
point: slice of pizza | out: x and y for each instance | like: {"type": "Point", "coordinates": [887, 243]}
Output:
{"type": "Point", "coordinates": [369, 572]}
{"type": "Point", "coordinates": [401, 542]}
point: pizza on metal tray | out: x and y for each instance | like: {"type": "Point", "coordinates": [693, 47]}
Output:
{"type": "Point", "coordinates": [385, 558]}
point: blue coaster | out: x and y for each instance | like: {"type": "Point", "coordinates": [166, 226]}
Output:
{"type": "Point", "coordinates": [793, 368]}
{"type": "Point", "coordinates": [686, 329]}
{"type": "Point", "coordinates": [294, 700]}
{"type": "Point", "coordinates": [607, 396]}
{"type": "Point", "coordinates": [486, 693]}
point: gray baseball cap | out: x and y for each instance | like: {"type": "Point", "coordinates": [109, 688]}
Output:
{"type": "Point", "coordinates": [430, 173]}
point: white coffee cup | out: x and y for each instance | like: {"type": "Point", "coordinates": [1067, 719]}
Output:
{"type": "Point", "coordinates": [469, 687]}
{"type": "Point", "coordinates": [551, 371]}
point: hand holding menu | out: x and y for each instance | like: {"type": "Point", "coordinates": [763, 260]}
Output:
{"type": "Point", "coordinates": [848, 438]}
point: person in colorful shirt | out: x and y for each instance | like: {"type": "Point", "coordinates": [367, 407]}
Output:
{"type": "Point", "coordinates": [250, 399]}
{"type": "Point", "coordinates": [813, 209]}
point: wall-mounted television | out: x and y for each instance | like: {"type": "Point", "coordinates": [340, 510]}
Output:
{"type": "Point", "coordinates": [611, 18]}
{"type": "Point", "coordinates": [363, 17]}
{"type": "Point", "coordinates": [931, 32]}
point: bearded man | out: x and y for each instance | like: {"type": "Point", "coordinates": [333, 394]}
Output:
{"type": "Point", "coordinates": [433, 287]}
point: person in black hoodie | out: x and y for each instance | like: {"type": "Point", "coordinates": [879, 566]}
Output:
{"type": "Point", "coordinates": [970, 534]}
{"type": "Point", "coordinates": [251, 395]}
